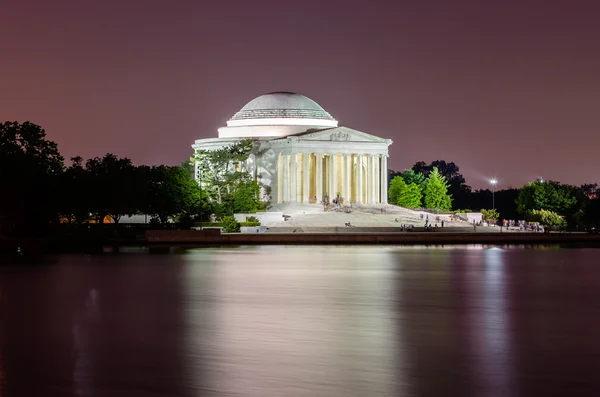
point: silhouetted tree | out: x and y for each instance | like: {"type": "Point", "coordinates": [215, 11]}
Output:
{"type": "Point", "coordinates": [172, 193]}
{"type": "Point", "coordinates": [29, 169]}
{"type": "Point", "coordinates": [112, 186]}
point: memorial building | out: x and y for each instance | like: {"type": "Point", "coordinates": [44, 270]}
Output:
{"type": "Point", "coordinates": [302, 155]}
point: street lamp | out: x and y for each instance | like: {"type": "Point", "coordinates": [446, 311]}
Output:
{"type": "Point", "coordinates": [493, 181]}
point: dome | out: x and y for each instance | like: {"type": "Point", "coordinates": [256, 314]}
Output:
{"type": "Point", "coordinates": [282, 105]}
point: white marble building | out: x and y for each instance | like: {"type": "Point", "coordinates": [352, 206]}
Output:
{"type": "Point", "coordinates": [302, 153]}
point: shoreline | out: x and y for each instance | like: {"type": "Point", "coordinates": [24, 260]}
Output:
{"type": "Point", "coordinates": [212, 238]}
{"type": "Point", "coordinates": [187, 238]}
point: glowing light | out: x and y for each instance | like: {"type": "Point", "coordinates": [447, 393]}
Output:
{"type": "Point", "coordinates": [493, 181]}
{"type": "Point", "coordinates": [282, 121]}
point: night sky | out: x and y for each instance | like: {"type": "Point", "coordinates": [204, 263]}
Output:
{"type": "Point", "coordinates": [508, 88]}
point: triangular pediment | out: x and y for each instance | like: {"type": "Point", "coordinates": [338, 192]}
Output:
{"type": "Point", "coordinates": [339, 134]}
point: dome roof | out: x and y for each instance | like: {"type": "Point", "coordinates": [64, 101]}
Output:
{"type": "Point", "coordinates": [282, 105]}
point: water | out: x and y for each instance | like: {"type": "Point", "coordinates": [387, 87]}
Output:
{"type": "Point", "coordinates": [304, 321]}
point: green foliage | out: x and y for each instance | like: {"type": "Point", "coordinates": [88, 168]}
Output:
{"type": "Point", "coordinates": [410, 176]}
{"type": "Point", "coordinates": [436, 191]}
{"type": "Point", "coordinates": [396, 186]}
{"type": "Point", "coordinates": [462, 211]}
{"type": "Point", "coordinates": [252, 219]}
{"type": "Point", "coordinates": [546, 218]}
{"type": "Point", "coordinates": [171, 192]}
{"type": "Point", "coordinates": [224, 177]}
{"type": "Point", "coordinates": [231, 225]}
{"type": "Point", "coordinates": [403, 194]}
{"type": "Point", "coordinates": [222, 169]}
{"type": "Point", "coordinates": [490, 215]}
{"type": "Point", "coordinates": [245, 196]}
{"type": "Point", "coordinates": [457, 188]}
{"type": "Point", "coordinates": [546, 195]}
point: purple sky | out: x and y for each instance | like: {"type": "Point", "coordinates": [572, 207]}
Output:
{"type": "Point", "coordinates": [503, 88]}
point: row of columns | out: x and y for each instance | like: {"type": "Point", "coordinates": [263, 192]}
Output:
{"type": "Point", "coordinates": [360, 178]}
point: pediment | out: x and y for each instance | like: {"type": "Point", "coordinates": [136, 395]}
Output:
{"type": "Point", "coordinates": [343, 134]}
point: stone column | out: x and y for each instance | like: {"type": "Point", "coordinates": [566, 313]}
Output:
{"type": "Point", "coordinates": [359, 171]}
{"type": "Point", "coordinates": [371, 176]}
{"type": "Point", "coordinates": [377, 179]}
{"type": "Point", "coordinates": [319, 177]}
{"type": "Point", "coordinates": [305, 177]}
{"type": "Point", "coordinates": [285, 179]}
{"type": "Point", "coordinates": [329, 176]}
{"type": "Point", "coordinates": [334, 178]}
{"type": "Point", "coordinates": [293, 177]}
{"type": "Point", "coordinates": [347, 176]}
{"type": "Point", "coordinates": [384, 179]}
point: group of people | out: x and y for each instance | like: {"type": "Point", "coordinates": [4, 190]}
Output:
{"type": "Point", "coordinates": [336, 204]}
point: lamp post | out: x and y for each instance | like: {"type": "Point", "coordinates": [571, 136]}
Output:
{"type": "Point", "coordinates": [493, 182]}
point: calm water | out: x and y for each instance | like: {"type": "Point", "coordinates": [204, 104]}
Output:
{"type": "Point", "coordinates": [304, 321]}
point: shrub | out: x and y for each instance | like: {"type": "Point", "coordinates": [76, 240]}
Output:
{"type": "Point", "coordinates": [231, 225]}
{"type": "Point", "coordinates": [252, 219]}
{"type": "Point", "coordinates": [186, 221]}
{"type": "Point", "coordinates": [490, 215]}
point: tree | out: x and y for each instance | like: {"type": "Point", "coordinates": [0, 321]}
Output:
{"type": "Point", "coordinates": [220, 169]}
{"type": "Point", "coordinates": [224, 176]}
{"type": "Point", "coordinates": [74, 205]}
{"type": "Point", "coordinates": [546, 195]}
{"type": "Point", "coordinates": [172, 192]}
{"type": "Point", "coordinates": [111, 184]}
{"type": "Point", "coordinates": [404, 194]}
{"type": "Point", "coordinates": [457, 187]}
{"type": "Point", "coordinates": [29, 169]}
{"type": "Point", "coordinates": [591, 214]}
{"type": "Point", "coordinates": [490, 215]}
{"type": "Point", "coordinates": [436, 191]}
{"type": "Point", "coordinates": [245, 196]}
{"type": "Point", "coordinates": [411, 176]}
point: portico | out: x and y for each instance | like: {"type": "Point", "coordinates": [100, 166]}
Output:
{"type": "Point", "coordinates": [357, 178]}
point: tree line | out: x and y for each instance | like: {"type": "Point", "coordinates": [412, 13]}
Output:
{"type": "Point", "coordinates": [38, 190]}
{"type": "Point", "coordinates": [440, 185]}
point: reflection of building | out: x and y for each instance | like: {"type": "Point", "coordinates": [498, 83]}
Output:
{"type": "Point", "coordinates": [302, 154]}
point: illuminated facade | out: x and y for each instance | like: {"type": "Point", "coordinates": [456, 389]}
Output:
{"type": "Point", "coordinates": [301, 154]}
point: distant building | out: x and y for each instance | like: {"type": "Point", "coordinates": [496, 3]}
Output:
{"type": "Point", "coordinates": [302, 153]}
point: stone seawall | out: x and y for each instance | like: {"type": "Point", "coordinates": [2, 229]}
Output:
{"type": "Point", "coordinates": [206, 237]}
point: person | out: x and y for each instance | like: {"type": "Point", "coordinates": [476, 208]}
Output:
{"type": "Point", "coordinates": [442, 223]}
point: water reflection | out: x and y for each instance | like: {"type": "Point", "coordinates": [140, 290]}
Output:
{"type": "Point", "coordinates": [304, 321]}
{"type": "Point", "coordinates": [319, 325]}
{"type": "Point", "coordinates": [488, 329]}
{"type": "Point", "coordinates": [84, 326]}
